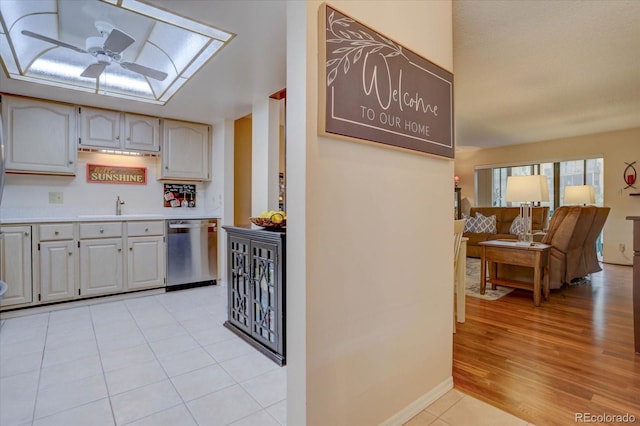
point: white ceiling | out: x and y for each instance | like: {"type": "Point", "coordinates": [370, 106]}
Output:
{"type": "Point", "coordinates": [526, 70]}
{"type": "Point", "coordinates": [532, 70]}
{"type": "Point", "coordinates": [250, 68]}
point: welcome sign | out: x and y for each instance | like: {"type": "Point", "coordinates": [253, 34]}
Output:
{"type": "Point", "coordinates": [377, 90]}
{"type": "Point", "coordinates": [98, 173]}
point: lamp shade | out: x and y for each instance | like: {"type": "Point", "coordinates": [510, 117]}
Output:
{"type": "Point", "coordinates": [527, 188]}
{"type": "Point", "coordinates": [579, 194]}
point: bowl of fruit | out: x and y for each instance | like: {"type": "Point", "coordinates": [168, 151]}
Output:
{"type": "Point", "coordinates": [270, 219]}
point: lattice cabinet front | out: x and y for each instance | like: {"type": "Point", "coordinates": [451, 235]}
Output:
{"type": "Point", "coordinates": [256, 286]}
{"type": "Point", "coordinates": [239, 284]}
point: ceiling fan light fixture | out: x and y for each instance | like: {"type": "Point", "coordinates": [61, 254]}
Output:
{"type": "Point", "coordinates": [94, 44]}
{"type": "Point", "coordinates": [103, 59]}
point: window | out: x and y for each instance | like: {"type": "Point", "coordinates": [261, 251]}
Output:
{"type": "Point", "coordinates": [559, 175]}
{"type": "Point", "coordinates": [491, 184]}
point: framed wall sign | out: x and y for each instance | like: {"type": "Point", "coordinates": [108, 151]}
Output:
{"type": "Point", "coordinates": [374, 89]}
{"type": "Point", "coordinates": [99, 173]}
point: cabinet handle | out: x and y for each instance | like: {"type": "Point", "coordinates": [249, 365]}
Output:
{"type": "Point", "coordinates": [56, 233]}
{"type": "Point", "coordinates": [26, 233]}
{"type": "Point", "coordinates": [117, 138]}
{"type": "Point", "coordinates": [119, 249]}
{"type": "Point", "coordinates": [70, 253]}
{"type": "Point", "coordinates": [130, 248]}
{"type": "Point", "coordinates": [101, 231]}
{"type": "Point", "coordinates": [146, 229]}
{"type": "Point", "coordinates": [70, 162]}
{"type": "Point", "coordinates": [166, 167]}
{"type": "Point", "coordinates": [128, 138]}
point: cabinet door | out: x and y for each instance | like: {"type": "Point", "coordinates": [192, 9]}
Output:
{"type": "Point", "coordinates": [239, 279]}
{"type": "Point", "coordinates": [265, 305]}
{"type": "Point", "coordinates": [101, 266]}
{"type": "Point", "coordinates": [145, 266]}
{"type": "Point", "coordinates": [40, 137]}
{"type": "Point", "coordinates": [15, 264]}
{"type": "Point", "coordinates": [141, 133]}
{"type": "Point", "coordinates": [185, 151]}
{"type": "Point", "coordinates": [57, 270]}
{"type": "Point", "coordinates": [99, 128]}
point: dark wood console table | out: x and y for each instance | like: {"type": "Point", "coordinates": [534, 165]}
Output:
{"type": "Point", "coordinates": [636, 280]}
{"type": "Point", "coordinates": [256, 288]}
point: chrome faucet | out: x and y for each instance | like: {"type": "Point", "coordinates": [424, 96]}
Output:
{"type": "Point", "coordinates": [119, 204]}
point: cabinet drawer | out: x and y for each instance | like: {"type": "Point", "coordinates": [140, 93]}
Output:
{"type": "Point", "coordinates": [56, 231]}
{"type": "Point", "coordinates": [101, 230]}
{"type": "Point", "coordinates": [142, 228]}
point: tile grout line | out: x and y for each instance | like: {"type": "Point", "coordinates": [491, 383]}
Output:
{"type": "Point", "coordinates": [212, 311]}
{"type": "Point", "coordinates": [236, 382]}
{"type": "Point", "coordinates": [157, 359]}
{"type": "Point", "coordinates": [44, 348]}
{"type": "Point", "coordinates": [104, 374]}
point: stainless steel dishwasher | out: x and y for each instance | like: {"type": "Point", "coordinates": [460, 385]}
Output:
{"type": "Point", "coordinates": [192, 253]}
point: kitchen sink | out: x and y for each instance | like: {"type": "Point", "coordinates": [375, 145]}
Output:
{"type": "Point", "coordinates": [119, 217]}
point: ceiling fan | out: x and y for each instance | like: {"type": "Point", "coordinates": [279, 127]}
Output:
{"type": "Point", "coordinates": [106, 48]}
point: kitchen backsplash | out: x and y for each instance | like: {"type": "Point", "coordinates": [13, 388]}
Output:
{"type": "Point", "coordinates": [52, 196]}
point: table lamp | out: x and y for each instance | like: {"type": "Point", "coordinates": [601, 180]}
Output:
{"type": "Point", "coordinates": [579, 194]}
{"type": "Point", "coordinates": [527, 190]}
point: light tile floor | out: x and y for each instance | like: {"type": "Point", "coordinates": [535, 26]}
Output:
{"type": "Point", "coordinates": [458, 409]}
{"type": "Point", "coordinates": [161, 359]}
{"type": "Point", "coordinates": [155, 360]}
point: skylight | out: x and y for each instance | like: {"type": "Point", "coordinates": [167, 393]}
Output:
{"type": "Point", "coordinates": [123, 48]}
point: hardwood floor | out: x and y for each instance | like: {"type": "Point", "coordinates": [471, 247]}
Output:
{"type": "Point", "coordinates": [573, 354]}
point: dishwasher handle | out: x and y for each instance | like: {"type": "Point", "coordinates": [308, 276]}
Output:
{"type": "Point", "coordinates": [184, 226]}
{"type": "Point", "coordinates": [191, 226]}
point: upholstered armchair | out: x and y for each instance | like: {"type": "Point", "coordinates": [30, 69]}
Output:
{"type": "Point", "coordinates": [590, 250]}
{"type": "Point", "coordinates": [572, 234]}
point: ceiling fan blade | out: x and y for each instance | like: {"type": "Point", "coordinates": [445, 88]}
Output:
{"type": "Point", "coordinates": [117, 41]}
{"type": "Point", "coordinates": [94, 70]}
{"type": "Point", "coordinates": [52, 41]}
{"type": "Point", "coordinates": [146, 71]}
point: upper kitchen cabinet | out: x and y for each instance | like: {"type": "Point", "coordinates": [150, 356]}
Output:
{"type": "Point", "coordinates": [141, 133]}
{"type": "Point", "coordinates": [107, 129]}
{"type": "Point", "coordinates": [40, 136]}
{"type": "Point", "coordinates": [185, 151]}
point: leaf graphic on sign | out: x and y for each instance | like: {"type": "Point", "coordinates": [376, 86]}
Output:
{"type": "Point", "coordinates": [332, 76]}
{"type": "Point", "coordinates": [356, 56]}
{"type": "Point", "coordinates": [354, 43]}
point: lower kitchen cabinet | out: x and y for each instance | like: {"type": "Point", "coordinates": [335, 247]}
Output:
{"type": "Point", "coordinates": [101, 263]}
{"type": "Point", "coordinates": [72, 260]}
{"type": "Point", "coordinates": [101, 258]}
{"type": "Point", "coordinates": [146, 255]}
{"type": "Point", "coordinates": [57, 266]}
{"type": "Point", "coordinates": [15, 265]}
{"type": "Point", "coordinates": [57, 270]}
{"type": "Point", "coordinates": [256, 289]}
{"type": "Point", "coordinates": [145, 264]}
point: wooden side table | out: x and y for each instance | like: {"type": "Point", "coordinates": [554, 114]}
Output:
{"type": "Point", "coordinates": [534, 255]}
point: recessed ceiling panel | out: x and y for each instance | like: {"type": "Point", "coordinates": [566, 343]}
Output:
{"type": "Point", "coordinates": [135, 50]}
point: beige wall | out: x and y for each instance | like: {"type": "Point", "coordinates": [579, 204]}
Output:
{"type": "Point", "coordinates": [242, 171]}
{"type": "Point", "coordinates": [370, 247]}
{"type": "Point", "coordinates": [242, 168]}
{"type": "Point", "coordinates": [615, 147]}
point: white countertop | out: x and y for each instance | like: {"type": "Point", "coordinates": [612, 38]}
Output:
{"type": "Point", "coordinates": [13, 216]}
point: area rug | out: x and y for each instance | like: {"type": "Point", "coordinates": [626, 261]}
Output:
{"type": "Point", "coordinates": [473, 283]}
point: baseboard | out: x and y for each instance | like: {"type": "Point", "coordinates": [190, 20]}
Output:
{"type": "Point", "coordinates": [411, 410]}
